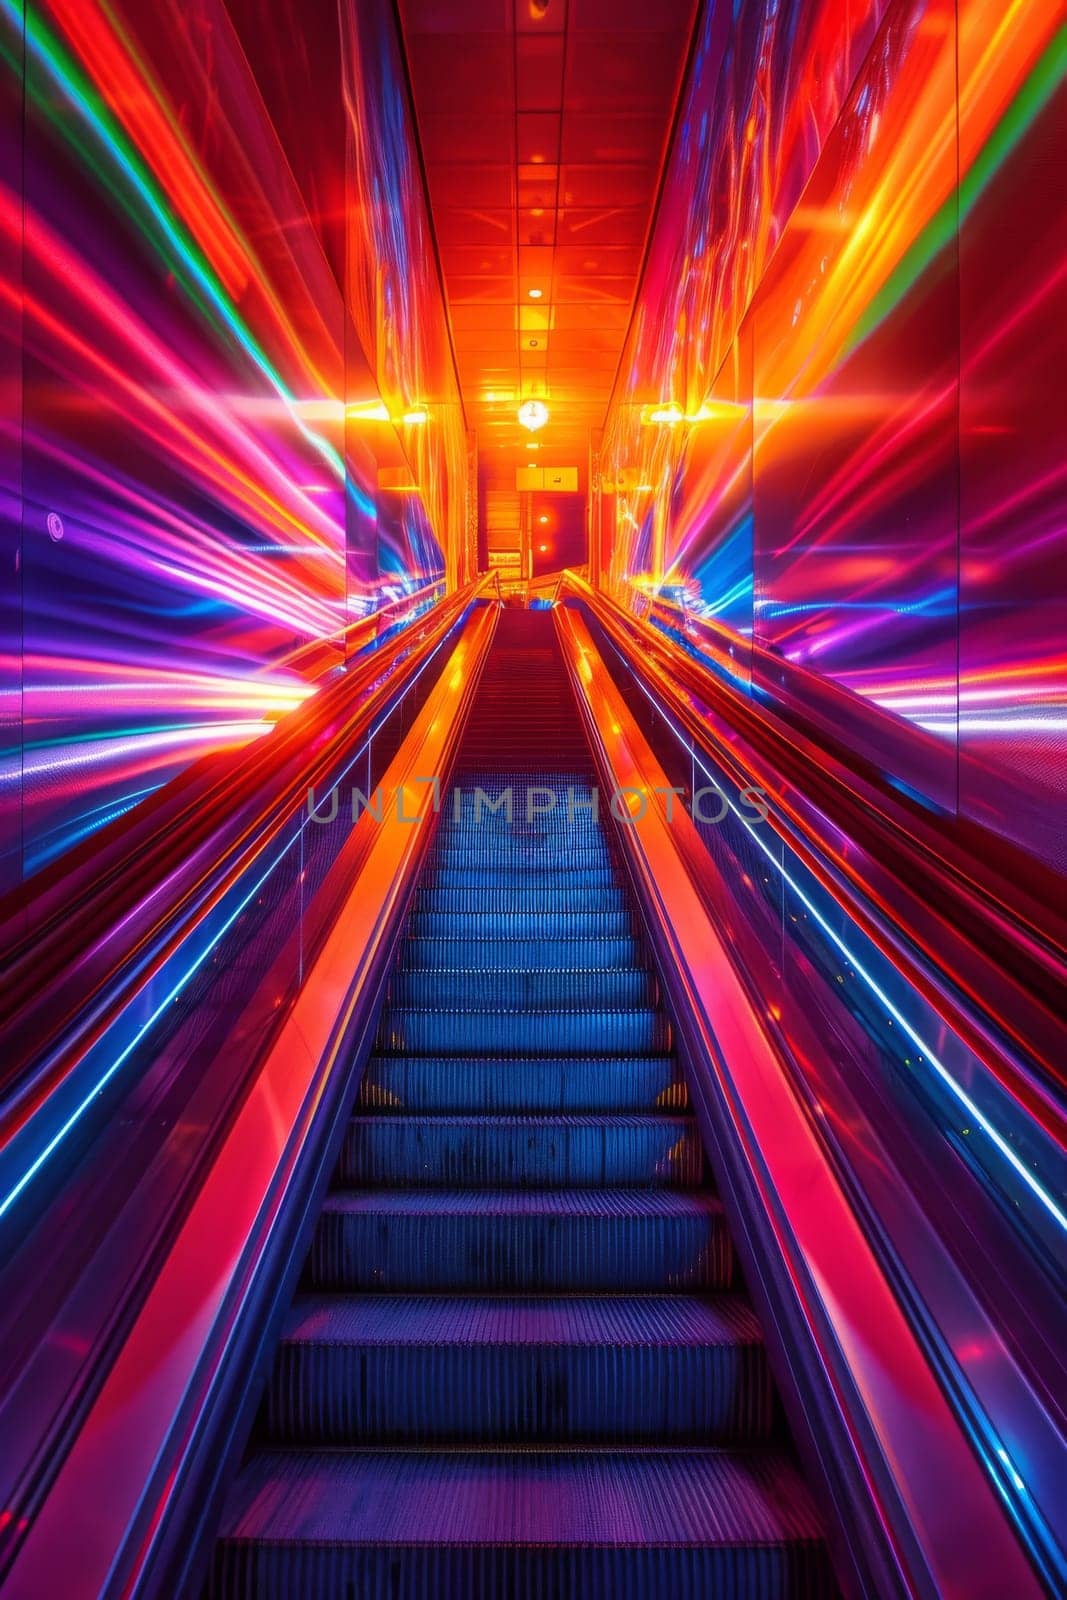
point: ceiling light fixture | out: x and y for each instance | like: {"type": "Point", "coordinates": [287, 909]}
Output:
{"type": "Point", "coordinates": [533, 414]}
{"type": "Point", "coordinates": [535, 294]}
{"type": "Point", "coordinates": [669, 414]}
{"type": "Point", "coordinates": [368, 411]}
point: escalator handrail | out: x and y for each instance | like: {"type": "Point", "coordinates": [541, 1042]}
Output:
{"type": "Point", "coordinates": [1003, 976]}
{"type": "Point", "coordinates": [72, 976]}
{"type": "Point", "coordinates": [1014, 880]}
{"type": "Point", "coordinates": [870, 1405]}
{"type": "Point", "coordinates": [74, 884]}
{"type": "Point", "coordinates": [182, 1387]}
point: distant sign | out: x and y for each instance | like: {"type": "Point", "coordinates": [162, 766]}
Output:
{"type": "Point", "coordinates": [556, 480]}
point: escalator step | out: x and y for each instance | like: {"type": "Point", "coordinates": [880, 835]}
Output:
{"type": "Point", "coordinates": [495, 921]}
{"type": "Point", "coordinates": [532, 1084]}
{"type": "Point", "coordinates": [405, 1030]}
{"type": "Point", "coordinates": [542, 1152]}
{"type": "Point", "coordinates": [520, 846]}
{"type": "Point", "coordinates": [503, 955]}
{"type": "Point", "coordinates": [552, 834]}
{"type": "Point", "coordinates": [502, 879]}
{"type": "Point", "coordinates": [521, 1239]}
{"type": "Point", "coordinates": [499, 1369]}
{"type": "Point", "coordinates": [569, 807]}
{"type": "Point", "coordinates": [530, 1524]}
{"type": "Point", "coordinates": [522, 896]}
{"type": "Point", "coordinates": [446, 988]}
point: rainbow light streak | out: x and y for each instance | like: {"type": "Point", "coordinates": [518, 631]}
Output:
{"type": "Point", "coordinates": [195, 522]}
{"type": "Point", "coordinates": [75, 1116]}
{"type": "Point", "coordinates": [392, 276]}
{"type": "Point", "coordinates": [96, 42]}
{"type": "Point", "coordinates": [929, 1055]}
{"type": "Point", "coordinates": [82, 1105]}
{"type": "Point", "coordinates": [862, 331]}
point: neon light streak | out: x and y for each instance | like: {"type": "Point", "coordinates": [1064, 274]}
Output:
{"type": "Point", "coordinates": [101, 1083]}
{"type": "Point", "coordinates": [954, 1087]}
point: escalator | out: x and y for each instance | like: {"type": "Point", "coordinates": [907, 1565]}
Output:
{"type": "Point", "coordinates": [521, 1360]}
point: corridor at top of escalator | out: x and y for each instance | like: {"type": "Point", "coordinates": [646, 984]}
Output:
{"type": "Point", "coordinates": [532, 778]}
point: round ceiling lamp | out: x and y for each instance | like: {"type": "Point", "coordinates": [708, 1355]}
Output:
{"type": "Point", "coordinates": [533, 414]}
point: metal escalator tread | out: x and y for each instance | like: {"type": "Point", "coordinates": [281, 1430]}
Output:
{"type": "Point", "coordinates": [520, 1363]}
{"type": "Point", "coordinates": [524, 1151]}
{"type": "Point", "coordinates": [538, 1521]}
{"type": "Point", "coordinates": [559, 897]}
{"type": "Point", "coordinates": [640, 1030]}
{"type": "Point", "coordinates": [437, 1369]}
{"type": "Point", "coordinates": [420, 953]}
{"type": "Point", "coordinates": [480, 1085]}
{"type": "Point", "coordinates": [500, 989]}
{"type": "Point", "coordinates": [500, 922]}
{"type": "Point", "coordinates": [521, 1239]}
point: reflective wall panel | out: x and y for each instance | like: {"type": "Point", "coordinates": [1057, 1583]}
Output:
{"type": "Point", "coordinates": [202, 518]}
{"type": "Point", "coordinates": [866, 491]}
{"type": "Point", "coordinates": [11, 109]}
{"type": "Point", "coordinates": [395, 293]}
{"type": "Point", "coordinates": [1013, 426]}
{"type": "Point", "coordinates": [854, 379]}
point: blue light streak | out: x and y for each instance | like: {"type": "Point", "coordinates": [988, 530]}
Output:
{"type": "Point", "coordinates": [101, 1083]}
{"type": "Point", "coordinates": [946, 1077]}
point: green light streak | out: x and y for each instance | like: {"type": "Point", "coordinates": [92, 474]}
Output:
{"type": "Point", "coordinates": [198, 278]}
{"type": "Point", "coordinates": [944, 225]}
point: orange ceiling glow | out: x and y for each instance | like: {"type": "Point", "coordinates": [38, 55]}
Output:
{"type": "Point", "coordinates": [543, 126]}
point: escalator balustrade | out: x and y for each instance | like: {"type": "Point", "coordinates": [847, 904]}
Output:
{"type": "Point", "coordinates": [521, 1361]}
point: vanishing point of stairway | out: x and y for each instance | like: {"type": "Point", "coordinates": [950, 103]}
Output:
{"type": "Point", "coordinates": [520, 1364]}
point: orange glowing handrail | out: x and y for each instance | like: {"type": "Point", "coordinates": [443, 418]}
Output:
{"type": "Point", "coordinates": [873, 1370]}
{"type": "Point", "coordinates": [933, 908]}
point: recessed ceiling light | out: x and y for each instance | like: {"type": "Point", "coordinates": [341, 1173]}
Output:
{"type": "Point", "coordinates": [368, 411]}
{"type": "Point", "coordinates": [533, 414]}
{"type": "Point", "coordinates": [535, 294]}
{"type": "Point", "coordinates": [533, 445]}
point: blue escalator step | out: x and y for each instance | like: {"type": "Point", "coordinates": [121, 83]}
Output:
{"type": "Point", "coordinates": [521, 852]}
{"type": "Point", "coordinates": [503, 878]}
{"type": "Point", "coordinates": [541, 1152]}
{"type": "Point", "coordinates": [406, 1029]}
{"type": "Point", "coordinates": [602, 988]}
{"type": "Point", "coordinates": [521, 1240]}
{"type": "Point", "coordinates": [528, 1524]}
{"type": "Point", "coordinates": [553, 833]}
{"type": "Point", "coordinates": [431, 1084]}
{"type": "Point", "coordinates": [494, 920]}
{"type": "Point", "coordinates": [518, 1369]}
{"type": "Point", "coordinates": [438, 1369]}
{"type": "Point", "coordinates": [520, 895]}
{"type": "Point", "coordinates": [501, 955]}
